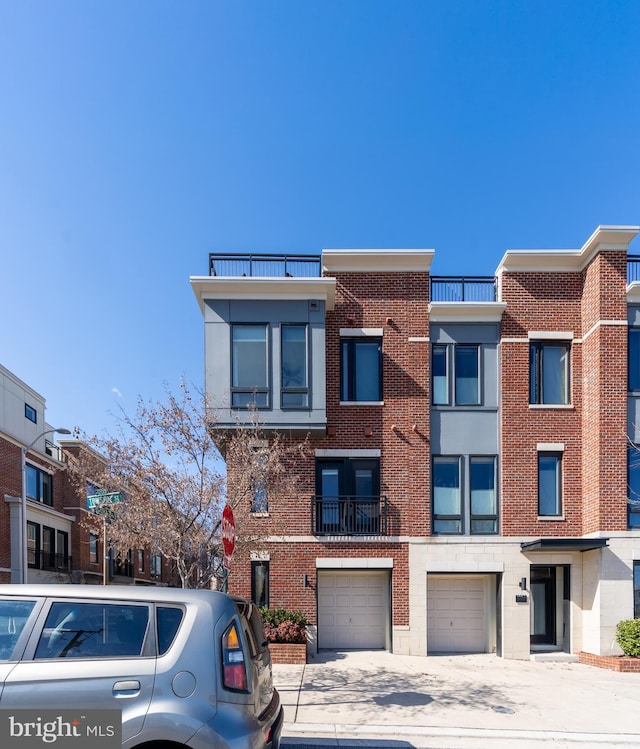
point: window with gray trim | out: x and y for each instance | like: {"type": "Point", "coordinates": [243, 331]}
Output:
{"type": "Point", "coordinates": [447, 495]}
{"type": "Point", "coordinates": [549, 372]}
{"type": "Point", "coordinates": [294, 356]}
{"type": "Point", "coordinates": [549, 484]}
{"type": "Point", "coordinates": [455, 374]}
{"type": "Point", "coordinates": [483, 481]}
{"type": "Point", "coordinates": [249, 366]}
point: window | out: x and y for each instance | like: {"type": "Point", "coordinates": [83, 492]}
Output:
{"type": "Point", "coordinates": [33, 544]}
{"type": "Point", "coordinates": [348, 500]}
{"type": "Point", "coordinates": [155, 565]}
{"type": "Point", "coordinates": [140, 560]}
{"type": "Point", "coordinates": [30, 413]}
{"type": "Point", "coordinates": [13, 617]}
{"type": "Point", "coordinates": [484, 503]}
{"type": "Point", "coordinates": [361, 369]}
{"type": "Point", "coordinates": [93, 630]}
{"type": "Point", "coordinates": [294, 358]}
{"type": "Point", "coordinates": [93, 548]}
{"type": "Point", "coordinates": [168, 621]}
{"type": "Point", "coordinates": [633, 484]}
{"type": "Point", "coordinates": [39, 485]}
{"type": "Point", "coordinates": [636, 590]}
{"type": "Point", "coordinates": [549, 373]}
{"type": "Point", "coordinates": [260, 583]}
{"type": "Point", "coordinates": [634, 359]}
{"type": "Point", "coordinates": [249, 366]}
{"type": "Point", "coordinates": [440, 375]}
{"type": "Point", "coordinates": [447, 505]}
{"type": "Point", "coordinates": [549, 484]}
{"type": "Point", "coordinates": [466, 374]}
{"type": "Point", "coordinates": [259, 500]}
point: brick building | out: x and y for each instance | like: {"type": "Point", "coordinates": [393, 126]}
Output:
{"type": "Point", "coordinates": [59, 547]}
{"type": "Point", "coordinates": [470, 471]}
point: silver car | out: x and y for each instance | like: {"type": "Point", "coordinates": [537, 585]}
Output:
{"type": "Point", "coordinates": [186, 668]}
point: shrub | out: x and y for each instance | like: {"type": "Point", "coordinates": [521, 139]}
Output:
{"type": "Point", "coordinates": [628, 637]}
{"type": "Point", "coordinates": [282, 625]}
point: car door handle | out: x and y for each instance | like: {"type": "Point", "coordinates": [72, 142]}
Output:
{"type": "Point", "coordinates": [126, 688]}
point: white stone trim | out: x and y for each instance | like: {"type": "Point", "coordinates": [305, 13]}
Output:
{"type": "Point", "coordinates": [550, 335]}
{"type": "Point", "coordinates": [557, 447]}
{"type": "Point", "coordinates": [361, 403]}
{"type": "Point", "coordinates": [361, 332]}
{"type": "Point", "coordinates": [260, 556]}
{"type": "Point", "coordinates": [466, 311]}
{"type": "Point", "coordinates": [600, 323]}
{"type": "Point", "coordinates": [378, 260]}
{"type": "Point", "coordinates": [349, 453]}
{"type": "Point", "coordinates": [469, 567]}
{"type": "Point", "coordinates": [350, 563]}
{"type": "Point", "coordinates": [419, 339]}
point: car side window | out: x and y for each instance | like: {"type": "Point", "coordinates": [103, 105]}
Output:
{"type": "Point", "coordinates": [13, 617]}
{"type": "Point", "coordinates": [93, 630]}
{"type": "Point", "coordinates": [168, 622]}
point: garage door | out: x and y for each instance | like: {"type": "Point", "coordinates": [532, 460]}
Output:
{"type": "Point", "coordinates": [352, 610]}
{"type": "Point", "coordinates": [456, 614]}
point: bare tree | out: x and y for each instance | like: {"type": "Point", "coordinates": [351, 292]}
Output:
{"type": "Point", "coordinates": [167, 464]}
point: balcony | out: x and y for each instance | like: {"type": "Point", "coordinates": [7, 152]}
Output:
{"type": "Point", "coordinates": [633, 268]}
{"type": "Point", "coordinates": [265, 265]}
{"type": "Point", "coordinates": [349, 516]}
{"type": "Point", "coordinates": [463, 289]}
{"type": "Point", "coordinates": [45, 560]}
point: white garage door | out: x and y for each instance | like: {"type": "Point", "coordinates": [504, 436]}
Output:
{"type": "Point", "coordinates": [352, 610]}
{"type": "Point", "coordinates": [456, 614]}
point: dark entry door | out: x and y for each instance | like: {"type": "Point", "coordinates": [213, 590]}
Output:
{"type": "Point", "coordinates": [543, 605]}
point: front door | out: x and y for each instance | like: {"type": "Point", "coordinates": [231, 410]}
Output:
{"type": "Point", "coordinates": [543, 605]}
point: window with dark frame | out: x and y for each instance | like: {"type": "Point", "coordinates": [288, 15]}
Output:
{"type": "Point", "coordinates": [140, 560]}
{"type": "Point", "coordinates": [455, 374]}
{"type": "Point", "coordinates": [446, 495]}
{"type": "Point", "coordinates": [260, 583]}
{"type": "Point", "coordinates": [30, 413]}
{"type": "Point", "coordinates": [549, 372]}
{"type": "Point", "coordinates": [439, 374]}
{"type": "Point", "coordinates": [633, 486]}
{"type": "Point", "coordinates": [93, 548]}
{"type": "Point", "coordinates": [39, 485]}
{"type": "Point", "coordinates": [549, 484]}
{"type": "Point", "coordinates": [361, 369]}
{"type": "Point", "coordinates": [636, 590]}
{"type": "Point", "coordinates": [634, 359]}
{"type": "Point", "coordinates": [483, 481]}
{"type": "Point", "coordinates": [33, 544]}
{"type": "Point", "coordinates": [294, 357]}
{"type": "Point", "coordinates": [249, 366]}
{"type": "Point", "coordinates": [348, 497]}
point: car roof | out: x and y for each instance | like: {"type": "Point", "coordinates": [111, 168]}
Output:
{"type": "Point", "coordinates": [115, 592]}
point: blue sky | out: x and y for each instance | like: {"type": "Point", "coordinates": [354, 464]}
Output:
{"type": "Point", "coordinates": [135, 138]}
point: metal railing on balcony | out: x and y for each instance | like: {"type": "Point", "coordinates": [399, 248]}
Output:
{"type": "Point", "coordinates": [348, 516]}
{"type": "Point", "coordinates": [633, 268]}
{"type": "Point", "coordinates": [45, 560]}
{"type": "Point", "coordinates": [463, 289]}
{"type": "Point", "coordinates": [265, 265]}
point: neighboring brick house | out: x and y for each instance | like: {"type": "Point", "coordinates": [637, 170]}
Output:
{"type": "Point", "coordinates": [59, 547]}
{"type": "Point", "coordinates": [467, 487]}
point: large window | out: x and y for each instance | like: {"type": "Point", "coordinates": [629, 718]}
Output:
{"type": "Point", "coordinates": [633, 485]}
{"type": "Point", "coordinates": [634, 359]}
{"type": "Point", "coordinates": [549, 373]}
{"type": "Point", "coordinates": [484, 503]}
{"type": "Point", "coordinates": [294, 358]}
{"type": "Point", "coordinates": [47, 548]}
{"type": "Point", "coordinates": [457, 367]}
{"type": "Point", "coordinates": [249, 366]}
{"type": "Point", "coordinates": [93, 548]}
{"type": "Point", "coordinates": [361, 369]}
{"type": "Point", "coordinates": [447, 497]}
{"type": "Point", "coordinates": [549, 484]}
{"type": "Point", "coordinates": [39, 485]}
{"type": "Point", "coordinates": [260, 583]}
{"type": "Point", "coordinates": [348, 500]}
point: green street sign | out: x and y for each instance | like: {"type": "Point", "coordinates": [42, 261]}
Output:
{"type": "Point", "coordinates": [105, 498]}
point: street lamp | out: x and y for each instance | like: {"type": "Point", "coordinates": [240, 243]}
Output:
{"type": "Point", "coordinates": [23, 519]}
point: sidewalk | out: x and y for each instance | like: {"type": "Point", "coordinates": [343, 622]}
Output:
{"type": "Point", "coordinates": [351, 698]}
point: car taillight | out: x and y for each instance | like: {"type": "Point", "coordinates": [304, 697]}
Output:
{"type": "Point", "coordinates": [234, 673]}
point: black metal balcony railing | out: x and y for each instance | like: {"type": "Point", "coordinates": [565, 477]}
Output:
{"type": "Point", "coordinates": [45, 560]}
{"type": "Point", "coordinates": [349, 516]}
{"type": "Point", "coordinates": [463, 289]}
{"type": "Point", "coordinates": [265, 265]}
{"type": "Point", "coordinates": [633, 268]}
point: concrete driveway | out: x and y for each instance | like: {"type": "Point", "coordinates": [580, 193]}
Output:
{"type": "Point", "coordinates": [343, 695]}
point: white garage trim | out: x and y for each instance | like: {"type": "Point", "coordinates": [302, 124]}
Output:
{"type": "Point", "coordinates": [335, 563]}
{"type": "Point", "coordinates": [353, 609]}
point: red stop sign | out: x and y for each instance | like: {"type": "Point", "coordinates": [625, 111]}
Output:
{"type": "Point", "coordinates": [228, 531]}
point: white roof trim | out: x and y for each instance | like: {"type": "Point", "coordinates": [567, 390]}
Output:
{"type": "Point", "coordinates": [633, 293]}
{"type": "Point", "coordinates": [250, 288]}
{"type": "Point", "coordinates": [377, 260]}
{"type": "Point", "coordinates": [603, 238]}
{"type": "Point", "coordinates": [466, 311]}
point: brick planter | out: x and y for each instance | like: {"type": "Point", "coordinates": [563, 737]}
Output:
{"type": "Point", "coordinates": [612, 662]}
{"type": "Point", "coordinates": [288, 652]}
